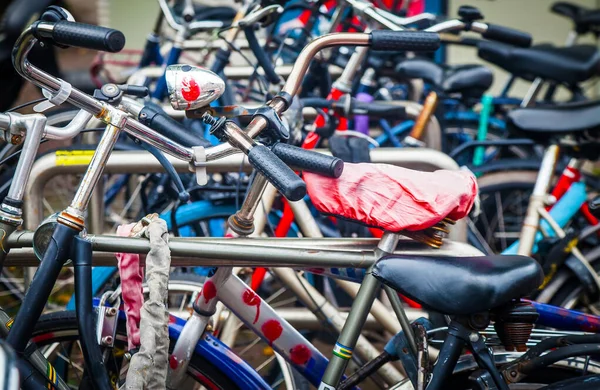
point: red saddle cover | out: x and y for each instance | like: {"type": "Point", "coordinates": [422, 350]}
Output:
{"type": "Point", "coordinates": [393, 198]}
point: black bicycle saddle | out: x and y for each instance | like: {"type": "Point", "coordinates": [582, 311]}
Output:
{"type": "Point", "coordinates": [460, 285]}
{"type": "Point", "coordinates": [565, 65]}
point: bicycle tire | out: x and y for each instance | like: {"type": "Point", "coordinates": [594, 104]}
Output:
{"type": "Point", "coordinates": [569, 288]}
{"type": "Point", "coordinates": [523, 180]}
{"type": "Point", "coordinates": [62, 327]}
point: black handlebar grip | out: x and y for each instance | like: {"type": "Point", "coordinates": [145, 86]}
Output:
{"type": "Point", "coordinates": [306, 160]}
{"type": "Point", "coordinates": [156, 119]}
{"type": "Point", "coordinates": [507, 35]}
{"type": "Point", "coordinates": [275, 171]}
{"type": "Point", "coordinates": [88, 36]}
{"type": "Point", "coordinates": [379, 110]}
{"type": "Point", "coordinates": [418, 41]}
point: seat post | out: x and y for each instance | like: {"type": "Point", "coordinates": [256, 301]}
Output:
{"type": "Point", "coordinates": [343, 349]}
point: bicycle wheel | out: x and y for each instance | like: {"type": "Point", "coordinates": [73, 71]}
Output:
{"type": "Point", "coordinates": [568, 291]}
{"type": "Point", "coordinates": [57, 336]}
{"type": "Point", "coordinates": [504, 199]}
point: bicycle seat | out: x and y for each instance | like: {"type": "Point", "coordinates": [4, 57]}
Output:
{"type": "Point", "coordinates": [469, 80]}
{"type": "Point", "coordinates": [584, 19]}
{"type": "Point", "coordinates": [567, 65]}
{"type": "Point", "coordinates": [542, 124]}
{"type": "Point", "coordinates": [393, 198]}
{"type": "Point", "coordinates": [460, 285]}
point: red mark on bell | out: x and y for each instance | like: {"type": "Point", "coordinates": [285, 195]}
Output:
{"type": "Point", "coordinates": [209, 291]}
{"type": "Point", "coordinates": [173, 362]}
{"type": "Point", "coordinates": [300, 354]}
{"type": "Point", "coordinates": [251, 299]}
{"type": "Point", "coordinates": [190, 90]}
{"type": "Point", "coordinates": [272, 330]}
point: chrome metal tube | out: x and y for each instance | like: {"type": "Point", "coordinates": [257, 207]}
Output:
{"type": "Point", "coordinates": [34, 124]}
{"type": "Point", "coordinates": [253, 197]}
{"type": "Point", "coordinates": [262, 212]}
{"type": "Point", "coordinates": [479, 27]}
{"type": "Point", "coordinates": [94, 171]}
{"type": "Point", "coordinates": [4, 121]}
{"type": "Point", "coordinates": [71, 130]}
{"type": "Point", "coordinates": [238, 138]}
{"type": "Point", "coordinates": [447, 26]}
{"type": "Point", "coordinates": [307, 54]}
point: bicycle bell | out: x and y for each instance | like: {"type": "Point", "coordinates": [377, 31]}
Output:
{"type": "Point", "coordinates": [192, 87]}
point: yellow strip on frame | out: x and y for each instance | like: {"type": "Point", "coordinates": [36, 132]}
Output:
{"type": "Point", "coordinates": [73, 157]}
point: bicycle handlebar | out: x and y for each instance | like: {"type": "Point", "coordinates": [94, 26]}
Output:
{"type": "Point", "coordinates": [415, 41]}
{"type": "Point", "coordinates": [488, 31]}
{"type": "Point", "coordinates": [507, 35]}
{"type": "Point", "coordinates": [82, 35]}
{"type": "Point", "coordinates": [307, 160]}
{"type": "Point", "coordinates": [274, 169]}
{"type": "Point", "coordinates": [277, 172]}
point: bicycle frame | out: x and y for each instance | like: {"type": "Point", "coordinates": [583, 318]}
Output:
{"type": "Point", "coordinates": [71, 223]}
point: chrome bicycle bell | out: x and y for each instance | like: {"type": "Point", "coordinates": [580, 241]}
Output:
{"type": "Point", "coordinates": [192, 87]}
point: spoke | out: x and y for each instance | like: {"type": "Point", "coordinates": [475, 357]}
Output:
{"type": "Point", "coordinates": [130, 201]}
{"type": "Point", "coordinates": [249, 346]}
{"type": "Point", "coordinates": [265, 363]}
{"type": "Point", "coordinates": [183, 302]}
{"type": "Point", "coordinates": [499, 214]}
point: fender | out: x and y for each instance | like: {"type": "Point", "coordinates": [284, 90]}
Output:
{"type": "Point", "coordinates": [213, 350]}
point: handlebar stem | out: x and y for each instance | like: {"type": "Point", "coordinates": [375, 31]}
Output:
{"type": "Point", "coordinates": [34, 125]}
{"type": "Point", "coordinates": [74, 215]}
{"type": "Point", "coordinates": [242, 222]}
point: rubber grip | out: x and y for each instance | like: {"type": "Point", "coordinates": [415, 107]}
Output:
{"type": "Point", "coordinates": [306, 160]}
{"type": "Point", "coordinates": [88, 36]}
{"type": "Point", "coordinates": [379, 110]}
{"type": "Point", "coordinates": [156, 119]}
{"type": "Point", "coordinates": [507, 35]}
{"type": "Point", "coordinates": [417, 41]}
{"type": "Point", "coordinates": [275, 171]}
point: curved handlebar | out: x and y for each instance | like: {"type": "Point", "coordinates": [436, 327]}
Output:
{"type": "Point", "coordinates": [507, 35]}
{"type": "Point", "coordinates": [488, 31]}
{"type": "Point", "coordinates": [71, 130]}
{"type": "Point", "coordinates": [416, 41]}
{"type": "Point", "coordinates": [260, 156]}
